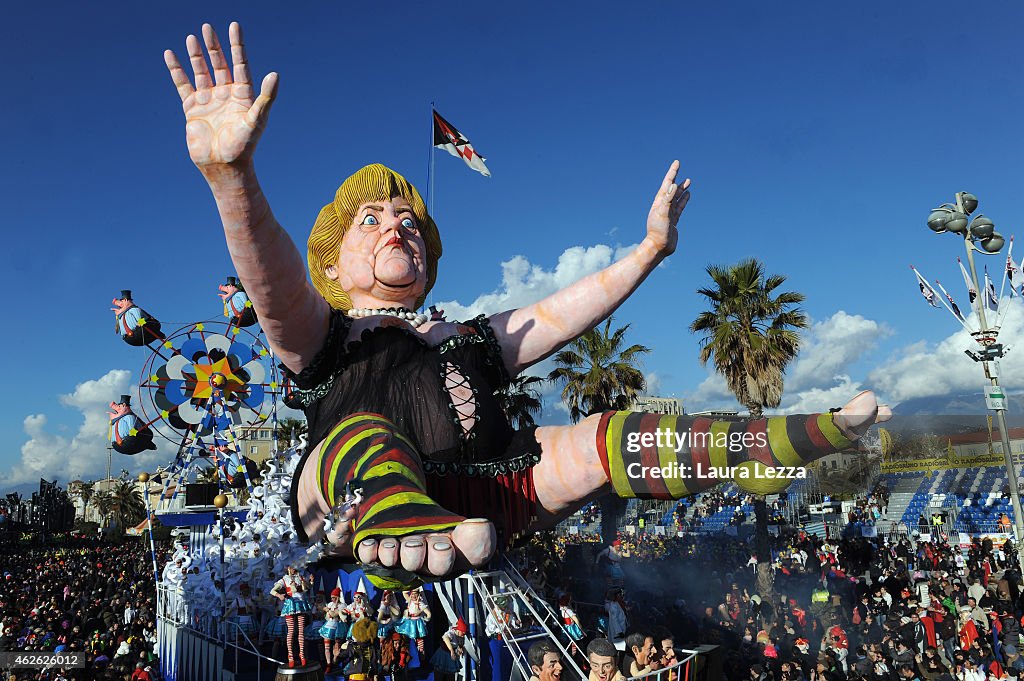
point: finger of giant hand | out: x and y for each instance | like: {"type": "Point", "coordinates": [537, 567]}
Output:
{"type": "Point", "coordinates": [440, 555]}
{"type": "Point", "coordinates": [260, 109]}
{"type": "Point", "coordinates": [178, 75]}
{"type": "Point", "coordinates": [238, 56]}
{"type": "Point", "coordinates": [199, 68]}
{"type": "Point", "coordinates": [221, 72]}
{"type": "Point", "coordinates": [667, 185]}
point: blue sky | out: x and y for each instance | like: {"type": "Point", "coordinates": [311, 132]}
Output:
{"type": "Point", "coordinates": [818, 137]}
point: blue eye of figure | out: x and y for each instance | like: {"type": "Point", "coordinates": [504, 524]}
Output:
{"type": "Point", "coordinates": [408, 223]}
{"type": "Point", "coordinates": [369, 220]}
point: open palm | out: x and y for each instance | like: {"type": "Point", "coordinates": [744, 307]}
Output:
{"type": "Point", "coordinates": [222, 120]}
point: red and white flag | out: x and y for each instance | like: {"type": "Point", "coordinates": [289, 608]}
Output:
{"type": "Point", "coordinates": [991, 299]}
{"type": "Point", "coordinates": [447, 137]}
{"type": "Point", "coordinates": [926, 290]}
{"type": "Point", "coordinates": [1012, 270]}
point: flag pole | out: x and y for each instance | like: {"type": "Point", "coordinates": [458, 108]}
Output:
{"type": "Point", "coordinates": [430, 165]}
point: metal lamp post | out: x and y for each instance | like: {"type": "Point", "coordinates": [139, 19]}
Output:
{"type": "Point", "coordinates": [979, 236]}
{"type": "Point", "coordinates": [220, 501]}
{"type": "Point", "coordinates": [144, 479]}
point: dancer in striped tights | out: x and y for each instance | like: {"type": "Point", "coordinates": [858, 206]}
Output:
{"type": "Point", "coordinates": [291, 590]}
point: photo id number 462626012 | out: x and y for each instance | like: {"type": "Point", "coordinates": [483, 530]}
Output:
{"type": "Point", "coordinates": [41, 660]}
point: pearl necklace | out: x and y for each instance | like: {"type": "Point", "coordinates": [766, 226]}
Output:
{"type": "Point", "coordinates": [400, 312]}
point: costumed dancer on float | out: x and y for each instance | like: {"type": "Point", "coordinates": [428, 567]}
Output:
{"type": "Point", "coordinates": [334, 630]}
{"type": "Point", "coordinates": [242, 610]}
{"type": "Point", "coordinates": [292, 591]}
{"type": "Point", "coordinates": [362, 655]}
{"type": "Point", "coordinates": [414, 618]}
{"type": "Point", "coordinates": [434, 430]}
{"type": "Point", "coordinates": [501, 621]}
{"type": "Point", "coordinates": [447, 659]}
{"type": "Point", "coordinates": [395, 657]}
{"type": "Point", "coordinates": [360, 607]}
{"type": "Point", "coordinates": [388, 615]}
{"type": "Point", "coordinates": [570, 620]}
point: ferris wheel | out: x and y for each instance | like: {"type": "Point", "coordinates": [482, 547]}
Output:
{"type": "Point", "coordinates": [203, 387]}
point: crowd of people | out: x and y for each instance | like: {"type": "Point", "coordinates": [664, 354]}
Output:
{"type": "Point", "coordinates": [852, 609]}
{"type": "Point", "coordinates": [848, 609]}
{"type": "Point", "coordinates": [85, 595]}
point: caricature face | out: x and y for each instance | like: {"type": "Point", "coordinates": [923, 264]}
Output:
{"type": "Point", "coordinates": [601, 667]}
{"type": "Point", "coordinates": [382, 254]}
{"type": "Point", "coordinates": [550, 669]}
{"type": "Point", "coordinates": [119, 409]}
{"type": "Point", "coordinates": [121, 305]}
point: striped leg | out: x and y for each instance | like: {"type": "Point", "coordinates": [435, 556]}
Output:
{"type": "Point", "coordinates": [327, 651]}
{"type": "Point", "coordinates": [369, 452]}
{"type": "Point", "coordinates": [670, 457]}
{"type": "Point", "coordinates": [302, 638]}
{"type": "Point", "coordinates": [289, 621]}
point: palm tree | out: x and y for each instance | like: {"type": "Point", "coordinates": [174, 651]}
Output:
{"type": "Point", "coordinates": [86, 491]}
{"type": "Point", "coordinates": [289, 430]}
{"type": "Point", "coordinates": [123, 504]}
{"type": "Point", "coordinates": [751, 335]}
{"type": "Point", "coordinates": [750, 332]}
{"type": "Point", "coordinates": [598, 375]}
{"type": "Point", "coordinates": [520, 400]}
{"type": "Point", "coordinates": [104, 502]}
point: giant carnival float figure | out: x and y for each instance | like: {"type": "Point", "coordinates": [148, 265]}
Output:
{"type": "Point", "coordinates": [402, 406]}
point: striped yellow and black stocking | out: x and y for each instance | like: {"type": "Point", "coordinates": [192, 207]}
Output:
{"type": "Point", "coordinates": [368, 451]}
{"type": "Point", "coordinates": [658, 456]}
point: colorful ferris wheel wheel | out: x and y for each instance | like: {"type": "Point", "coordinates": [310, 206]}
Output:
{"type": "Point", "coordinates": [203, 387]}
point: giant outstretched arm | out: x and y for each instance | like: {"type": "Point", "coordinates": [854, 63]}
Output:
{"type": "Point", "coordinates": [223, 124]}
{"type": "Point", "coordinates": [531, 333]}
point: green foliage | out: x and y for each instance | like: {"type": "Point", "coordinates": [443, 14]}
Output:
{"type": "Point", "coordinates": [750, 331]}
{"type": "Point", "coordinates": [598, 373]}
{"type": "Point", "coordinates": [520, 401]}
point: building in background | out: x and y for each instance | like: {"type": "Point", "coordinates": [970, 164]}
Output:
{"type": "Point", "coordinates": [657, 405]}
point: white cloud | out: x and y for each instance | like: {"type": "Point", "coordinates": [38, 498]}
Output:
{"type": "Point", "coordinates": [818, 379]}
{"type": "Point", "coordinates": [47, 454]}
{"type": "Point", "coordinates": [932, 370]}
{"type": "Point", "coordinates": [523, 283]}
{"type": "Point", "coordinates": [831, 347]}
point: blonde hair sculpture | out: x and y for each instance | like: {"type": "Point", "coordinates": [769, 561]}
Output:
{"type": "Point", "coordinates": [371, 183]}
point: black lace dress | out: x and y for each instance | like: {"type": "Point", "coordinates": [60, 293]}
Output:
{"type": "Point", "coordinates": [476, 464]}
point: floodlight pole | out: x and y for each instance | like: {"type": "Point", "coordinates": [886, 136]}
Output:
{"type": "Point", "coordinates": [993, 376]}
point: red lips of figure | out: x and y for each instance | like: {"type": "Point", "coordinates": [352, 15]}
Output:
{"type": "Point", "coordinates": [394, 241]}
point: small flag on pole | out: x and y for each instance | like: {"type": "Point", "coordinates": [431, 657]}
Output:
{"type": "Point", "coordinates": [926, 290]}
{"type": "Point", "coordinates": [455, 143]}
{"type": "Point", "coordinates": [971, 292]}
{"type": "Point", "coordinates": [952, 303]}
{"type": "Point", "coordinates": [1012, 269]}
{"type": "Point", "coordinates": [991, 300]}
